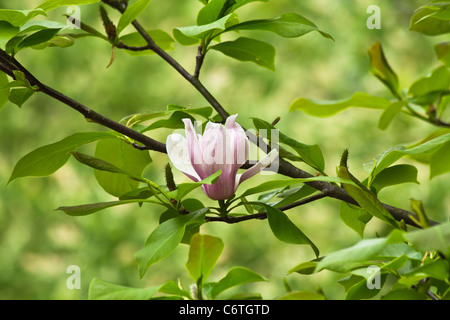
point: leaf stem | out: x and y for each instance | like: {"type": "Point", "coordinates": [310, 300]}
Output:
{"type": "Point", "coordinates": [263, 215]}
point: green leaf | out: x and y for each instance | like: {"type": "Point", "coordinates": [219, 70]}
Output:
{"type": "Point", "coordinates": [60, 41]}
{"type": "Point", "coordinates": [442, 51]}
{"type": "Point", "coordinates": [310, 154]}
{"type": "Point", "coordinates": [389, 113]}
{"type": "Point", "coordinates": [102, 165]}
{"type": "Point", "coordinates": [4, 89]}
{"type": "Point", "coordinates": [198, 32]}
{"type": "Point", "coordinates": [165, 238]}
{"type": "Point", "coordinates": [349, 281]}
{"type": "Point", "coordinates": [212, 11]}
{"type": "Point", "coordinates": [131, 14]}
{"type": "Point", "coordinates": [304, 268]}
{"type": "Point", "coordinates": [235, 277]}
{"type": "Point", "coordinates": [427, 90]}
{"type": "Point", "coordinates": [205, 112]}
{"type": "Point", "coordinates": [37, 38]}
{"type": "Point", "coordinates": [18, 18]}
{"type": "Point", "coordinates": [354, 217]}
{"type": "Point", "coordinates": [346, 259]}
{"type": "Point", "coordinates": [292, 195]}
{"type": "Point", "coordinates": [171, 109]}
{"type": "Point", "coordinates": [184, 40]}
{"type": "Point", "coordinates": [103, 290]}
{"type": "Point", "coordinates": [402, 173]}
{"type": "Point", "coordinates": [437, 269]}
{"type": "Point", "coordinates": [141, 193]}
{"type": "Point", "coordinates": [190, 205]}
{"type": "Point", "coordinates": [368, 250]}
{"type": "Point", "coordinates": [247, 49]}
{"type": "Point", "coordinates": [20, 80]}
{"type": "Point", "coordinates": [431, 19]}
{"type": "Point", "coordinates": [382, 70]}
{"type": "Point", "coordinates": [36, 25]}
{"type": "Point", "coordinates": [440, 161]}
{"type": "Point", "coordinates": [434, 238]}
{"type": "Point", "coordinates": [161, 38]}
{"type": "Point", "coordinates": [54, 4]}
{"type": "Point", "coordinates": [390, 156]}
{"type": "Point", "coordinates": [289, 25]}
{"type": "Point", "coordinates": [438, 80]}
{"type": "Point", "coordinates": [87, 209]}
{"type": "Point", "coordinates": [125, 157]}
{"type": "Point", "coordinates": [240, 3]}
{"type": "Point", "coordinates": [204, 252]}
{"type": "Point", "coordinates": [362, 291]}
{"type": "Point", "coordinates": [329, 108]}
{"type": "Point", "coordinates": [365, 198]}
{"type": "Point", "coordinates": [173, 122]}
{"type": "Point", "coordinates": [7, 31]}
{"type": "Point", "coordinates": [443, 104]}
{"type": "Point", "coordinates": [20, 96]}
{"type": "Point", "coordinates": [47, 159]}
{"type": "Point", "coordinates": [398, 252]}
{"type": "Point", "coordinates": [248, 207]}
{"type": "Point", "coordinates": [141, 117]}
{"type": "Point", "coordinates": [285, 230]}
{"type": "Point", "coordinates": [170, 287]}
{"type": "Point", "coordinates": [421, 157]}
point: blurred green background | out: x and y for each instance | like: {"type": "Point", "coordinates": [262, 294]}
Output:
{"type": "Point", "coordinates": [37, 244]}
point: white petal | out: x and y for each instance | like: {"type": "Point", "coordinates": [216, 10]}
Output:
{"type": "Point", "coordinates": [177, 151]}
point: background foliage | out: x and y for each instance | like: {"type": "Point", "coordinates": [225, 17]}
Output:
{"type": "Point", "coordinates": [37, 244]}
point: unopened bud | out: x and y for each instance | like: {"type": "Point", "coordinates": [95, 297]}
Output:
{"type": "Point", "coordinates": [169, 178]}
{"type": "Point", "coordinates": [110, 28]}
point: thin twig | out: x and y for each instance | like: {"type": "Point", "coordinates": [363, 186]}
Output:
{"type": "Point", "coordinates": [263, 215]}
{"type": "Point", "coordinates": [122, 45]}
{"type": "Point", "coordinates": [199, 61]}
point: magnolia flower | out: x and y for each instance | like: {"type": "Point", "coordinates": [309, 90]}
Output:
{"type": "Point", "coordinates": [221, 147]}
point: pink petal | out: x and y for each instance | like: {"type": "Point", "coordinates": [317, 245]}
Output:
{"type": "Point", "coordinates": [194, 149]}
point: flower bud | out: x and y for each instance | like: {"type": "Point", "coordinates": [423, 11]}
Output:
{"type": "Point", "coordinates": [221, 147]}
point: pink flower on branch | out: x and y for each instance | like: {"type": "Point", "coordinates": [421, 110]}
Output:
{"type": "Point", "coordinates": [221, 147]}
